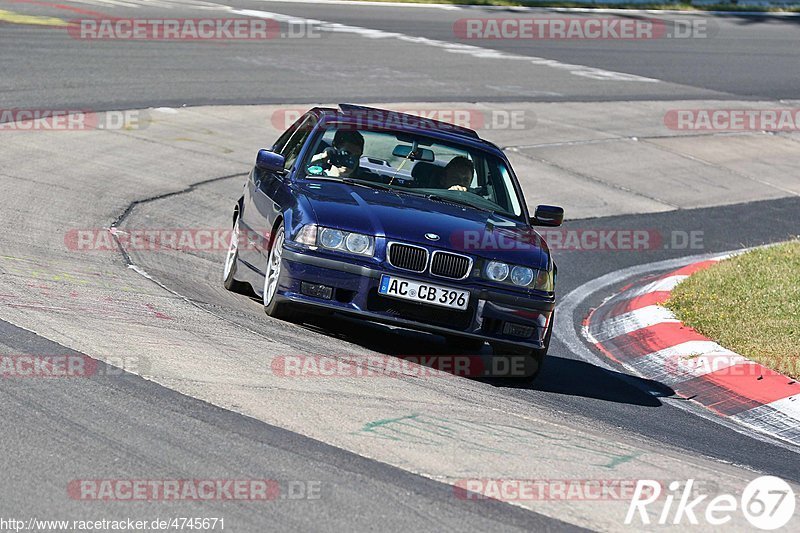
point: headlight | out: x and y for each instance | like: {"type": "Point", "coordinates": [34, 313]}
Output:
{"type": "Point", "coordinates": [357, 243]}
{"type": "Point", "coordinates": [496, 271]}
{"type": "Point", "coordinates": [331, 238]}
{"type": "Point", "coordinates": [345, 241]}
{"type": "Point", "coordinates": [521, 275]}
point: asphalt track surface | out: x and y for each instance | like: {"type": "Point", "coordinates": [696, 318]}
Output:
{"type": "Point", "coordinates": [60, 430]}
{"type": "Point", "coordinates": [742, 58]}
{"type": "Point", "coordinates": [58, 425]}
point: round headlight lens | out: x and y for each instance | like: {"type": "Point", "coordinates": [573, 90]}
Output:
{"type": "Point", "coordinates": [521, 275]}
{"type": "Point", "coordinates": [357, 243]}
{"type": "Point", "coordinates": [496, 271]}
{"type": "Point", "coordinates": [331, 238]}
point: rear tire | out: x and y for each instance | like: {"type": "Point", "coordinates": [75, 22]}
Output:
{"type": "Point", "coordinates": [272, 273]}
{"type": "Point", "coordinates": [232, 262]}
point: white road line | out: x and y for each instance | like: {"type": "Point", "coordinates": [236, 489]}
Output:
{"type": "Point", "coordinates": [199, 4]}
{"type": "Point", "coordinates": [163, 4]}
{"type": "Point", "coordinates": [633, 321]}
{"type": "Point", "coordinates": [452, 47]}
{"type": "Point", "coordinates": [455, 48]}
{"type": "Point", "coordinates": [192, 4]}
{"type": "Point", "coordinates": [107, 3]}
{"type": "Point", "coordinates": [664, 284]}
{"type": "Point", "coordinates": [446, 7]}
{"type": "Point", "coordinates": [538, 9]}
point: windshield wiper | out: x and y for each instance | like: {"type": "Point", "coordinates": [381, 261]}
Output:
{"type": "Point", "coordinates": [352, 181]}
{"type": "Point", "coordinates": [365, 183]}
{"type": "Point", "coordinates": [439, 198]}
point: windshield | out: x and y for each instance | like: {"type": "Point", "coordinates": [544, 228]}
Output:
{"type": "Point", "coordinates": [416, 164]}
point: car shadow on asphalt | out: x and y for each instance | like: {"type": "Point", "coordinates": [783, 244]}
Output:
{"type": "Point", "coordinates": [559, 375]}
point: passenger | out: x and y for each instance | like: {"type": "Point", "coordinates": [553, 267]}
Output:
{"type": "Point", "coordinates": [458, 174]}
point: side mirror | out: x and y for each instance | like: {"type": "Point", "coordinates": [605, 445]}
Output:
{"type": "Point", "coordinates": [270, 161]}
{"type": "Point", "coordinates": [548, 215]}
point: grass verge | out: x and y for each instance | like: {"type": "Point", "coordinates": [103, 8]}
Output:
{"type": "Point", "coordinates": [749, 304]}
{"type": "Point", "coordinates": [679, 6]}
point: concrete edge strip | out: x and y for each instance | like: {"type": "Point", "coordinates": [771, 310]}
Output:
{"type": "Point", "coordinates": [637, 332]}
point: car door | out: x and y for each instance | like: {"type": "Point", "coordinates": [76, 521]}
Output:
{"type": "Point", "coordinates": [264, 208]}
{"type": "Point", "coordinates": [254, 228]}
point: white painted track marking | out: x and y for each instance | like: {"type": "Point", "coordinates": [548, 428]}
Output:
{"type": "Point", "coordinates": [633, 321]}
{"type": "Point", "coordinates": [456, 48]}
{"type": "Point", "coordinates": [664, 284]}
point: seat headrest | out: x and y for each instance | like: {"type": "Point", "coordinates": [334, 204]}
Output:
{"type": "Point", "coordinates": [426, 174]}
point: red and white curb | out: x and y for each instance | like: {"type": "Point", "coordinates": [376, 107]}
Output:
{"type": "Point", "coordinates": [633, 329]}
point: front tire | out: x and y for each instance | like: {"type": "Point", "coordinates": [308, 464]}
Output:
{"type": "Point", "coordinates": [272, 273]}
{"type": "Point", "coordinates": [232, 262]}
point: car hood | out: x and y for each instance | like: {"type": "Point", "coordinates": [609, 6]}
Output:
{"type": "Point", "coordinates": [406, 217]}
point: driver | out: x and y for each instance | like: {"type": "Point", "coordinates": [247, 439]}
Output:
{"type": "Point", "coordinates": [348, 146]}
{"type": "Point", "coordinates": [457, 174]}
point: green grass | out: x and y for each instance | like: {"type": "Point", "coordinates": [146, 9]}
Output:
{"type": "Point", "coordinates": [682, 6]}
{"type": "Point", "coordinates": [749, 304]}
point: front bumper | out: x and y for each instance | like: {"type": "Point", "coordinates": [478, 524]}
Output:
{"type": "Point", "coordinates": [491, 315]}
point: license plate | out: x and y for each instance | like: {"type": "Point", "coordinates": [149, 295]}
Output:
{"type": "Point", "coordinates": [425, 293]}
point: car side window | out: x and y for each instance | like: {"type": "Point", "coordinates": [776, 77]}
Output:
{"type": "Point", "coordinates": [280, 144]}
{"type": "Point", "coordinates": [293, 146]}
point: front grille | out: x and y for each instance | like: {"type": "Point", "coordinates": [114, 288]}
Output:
{"type": "Point", "coordinates": [408, 257]}
{"type": "Point", "coordinates": [448, 265]}
{"type": "Point", "coordinates": [428, 314]}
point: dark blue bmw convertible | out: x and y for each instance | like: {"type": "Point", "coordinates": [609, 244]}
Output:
{"type": "Point", "coordinates": [397, 219]}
